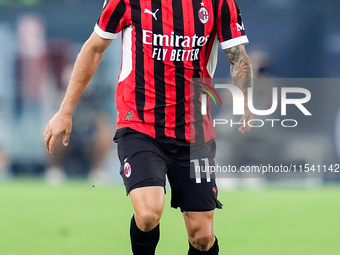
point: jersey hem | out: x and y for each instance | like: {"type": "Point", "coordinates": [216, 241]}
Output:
{"type": "Point", "coordinates": [234, 42]}
{"type": "Point", "coordinates": [121, 126]}
{"type": "Point", "coordinates": [103, 34]}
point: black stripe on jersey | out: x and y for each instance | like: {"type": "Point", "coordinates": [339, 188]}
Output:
{"type": "Point", "coordinates": [215, 4]}
{"type": "Point", "coordinates": [239, 18]}
{"type": "Point", "coordinates": [225, 17]}
{"type": "Point", "coordinates": [157, 27]}
{"type": "Point", "coordinates": [116, 16]}
{"type": "Point", "coordinates": [180, 73]}
{"type": "Point", "coordinates": [139, 69]}
{"type": "Point", "coordinates": [199, 30]}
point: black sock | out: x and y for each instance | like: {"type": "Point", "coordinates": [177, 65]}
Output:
{"type": "Point", "coordinates": [143, 243]}
{"type": "Point", "coordinates": [212, 251]}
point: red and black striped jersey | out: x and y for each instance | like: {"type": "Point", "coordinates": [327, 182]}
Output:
{"type": "Point", "coordinates": [167, 43]}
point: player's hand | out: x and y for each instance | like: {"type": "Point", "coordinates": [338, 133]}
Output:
{"type": "Point", "coordinates": [248, 115]}
{"type": "Point", "coordinates": [60, 124]}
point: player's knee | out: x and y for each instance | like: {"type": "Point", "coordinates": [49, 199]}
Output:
{"type": "Point", "coordinates": [148, 220]}
{"type": "Point", "coordinates": [203, 240]}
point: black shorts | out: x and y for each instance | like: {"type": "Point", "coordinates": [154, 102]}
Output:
{"type": "Point", "coordinates": [146, 161]}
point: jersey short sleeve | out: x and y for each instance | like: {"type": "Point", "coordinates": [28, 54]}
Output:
{"type": "Point", "coordinates": [112, 19]}
{"type": "Point", "coordinates": [230, 27]}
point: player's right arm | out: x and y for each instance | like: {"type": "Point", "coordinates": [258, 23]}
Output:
{"type": "Point", "coordinates": [84, 68]}
{"type": "Point", "coordinates": [232, 36]}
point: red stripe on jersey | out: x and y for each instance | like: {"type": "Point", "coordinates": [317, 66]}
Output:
{"type": "Point", "coordinates": [127, 12]}
{"type": "Point", "coordinates": [189, 28]}
{"type": "Point", "coordinates": [169, 74]}
{"type": "Point", "coordinates": [106, 14]}
{"type": "Point", "coordinates": [150, 95]}
{"type": "Point", "coordinates": [233, 19]}
{"type": "Point", "coordinates": [125, 20]}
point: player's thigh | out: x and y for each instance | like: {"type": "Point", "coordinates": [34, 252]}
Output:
{"type": "Point", "coordinates": [148, 200]}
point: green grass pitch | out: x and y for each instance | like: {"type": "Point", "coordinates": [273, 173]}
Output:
{"type": "Point", "coordinates": [77, 218]}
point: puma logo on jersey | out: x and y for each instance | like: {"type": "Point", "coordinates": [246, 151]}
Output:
{"type": "Point", "coordinates": [151, 13]}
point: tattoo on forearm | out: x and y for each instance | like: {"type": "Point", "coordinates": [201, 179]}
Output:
{"type": "Point", "coordinates": [240, 69]}
{"type": "Point", "coordinates": [233, 54]}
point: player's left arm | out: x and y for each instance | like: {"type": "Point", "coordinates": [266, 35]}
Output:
{"type": "Point", "coordinates": [242, 75]}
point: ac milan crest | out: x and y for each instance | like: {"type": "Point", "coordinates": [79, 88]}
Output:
{"type": "Point", "coordinates": [127, 170]}
{"type": "Point", "coordinates": [203, 15]}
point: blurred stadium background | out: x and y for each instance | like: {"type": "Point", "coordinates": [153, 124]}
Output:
{"type": "Point", "coordinates": [72, 202]}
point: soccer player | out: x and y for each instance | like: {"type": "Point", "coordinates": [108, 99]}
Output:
{"type": "Point", "coordinates": [160, 128]}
